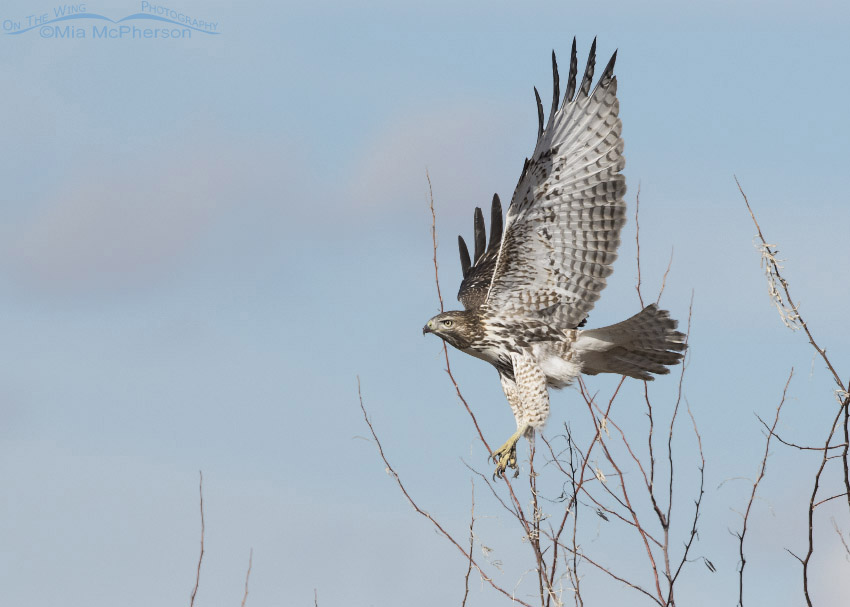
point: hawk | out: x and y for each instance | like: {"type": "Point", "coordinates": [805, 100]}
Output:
{"type": "Point", "coordinates": [526, 293]}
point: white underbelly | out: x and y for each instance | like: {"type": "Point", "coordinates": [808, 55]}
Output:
{"type": "Point", "coordinates": [559, 372]}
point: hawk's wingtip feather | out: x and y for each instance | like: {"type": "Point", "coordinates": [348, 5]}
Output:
{"type": "Point", "coordinates": [539, 114]}
{"type": "Point", "coordinates": [464, 256]}
{"type": "Point", "coordinates": [480, 235]}
{"type": "Point", "coordinates": [495, 223]}
{"type": "Point", "coordinates": [584, 89]}
{"type": "Point", "coordinates": [556, 93]}
{"type": "Point", "coordinates": [571, 80]}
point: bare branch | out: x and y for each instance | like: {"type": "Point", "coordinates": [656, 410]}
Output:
{"type": "Point", "coordinates": [791, 317]}
{"type": "Point", "coordinates": [664, 278]}
{"type": "Point", "coordinates": [762, 468]}
{"type": "Point", "coordinates": [492, 490]}
{"type": "Point", "coordinates": [201, 557]}
{"type": "Point", "coordinates": [841, 537]}
{"type": "Point", "coordinates": [697, 506]}
{"type": "Point", "coordinates": [471, 544]}
{"type": "Point", "coordinates": [829, 499]}
{"type": "Point", "coordinates": [637, 243]}
{"type": "Point", "coordinates": [844, 455]}
{"type": "Point", "coordinates": [775, 267]}
{"type": "Point", "coordinates": [813, 505]}
{"type": "Point", "coordinates": [442, 309]}
{"type": "Point", "coordinates": [795, 445]}
{"type": "Point", "coordinates": [434, 239]}
{"type": "Point", "coordinates": [248, 576]}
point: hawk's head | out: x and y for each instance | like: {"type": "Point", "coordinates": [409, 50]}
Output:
{"type": "Point", "coordinates": [460, 328]}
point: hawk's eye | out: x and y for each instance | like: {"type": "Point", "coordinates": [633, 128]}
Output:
{"type": "Point", "coordinates": [448, 323]}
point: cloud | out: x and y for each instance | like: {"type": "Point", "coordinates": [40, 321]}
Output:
{"type": "Point", "coordinates": [471, 150]}
{"type": "Point", "coordinates": [130, 220]}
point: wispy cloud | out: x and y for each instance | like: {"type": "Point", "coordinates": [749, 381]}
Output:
{"type": "Point", "coordinates": [124, 222]}
{"type": "Point", "coordinates": [463, 145]}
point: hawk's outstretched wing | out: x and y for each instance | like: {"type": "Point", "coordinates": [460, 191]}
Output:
{"type": "Point", "coordinates": [478, 276]}
{"type": "Point", "coordinates": [562, 229]}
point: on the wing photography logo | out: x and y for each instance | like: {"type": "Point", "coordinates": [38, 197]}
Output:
{"type": "Point", "coordinates": [75, 22]}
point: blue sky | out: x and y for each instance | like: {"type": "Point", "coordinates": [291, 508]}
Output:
{"type": "Point", "coordinates": [204, 242]}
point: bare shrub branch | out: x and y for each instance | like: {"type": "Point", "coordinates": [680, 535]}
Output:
{"type": "Point", "coordinates": [248, 576]}
{"type": "Point", "coordinates": [637, 244]}
{"type": "Point", "coordinates": [774, 269]}
{"type": "Point", "coordinates": [201, 556]}
{"type": "Point", "coordinates": [471, 544]}
{"type": "Point", "coordinates": [742, 560]}
{"type": "Point", "coordinates": [790, 314]}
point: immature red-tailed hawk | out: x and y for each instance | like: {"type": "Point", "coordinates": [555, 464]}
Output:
{"type": "Point", "coordinates": [528, 292]}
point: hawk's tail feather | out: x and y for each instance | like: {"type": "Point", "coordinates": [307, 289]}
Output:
{"type": "Point", "coordinates": [643, 345]}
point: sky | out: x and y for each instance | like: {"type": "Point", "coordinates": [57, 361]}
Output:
{"type": "Point", "coordinates": [206, 240]}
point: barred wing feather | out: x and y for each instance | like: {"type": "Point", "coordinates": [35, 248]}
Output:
{"type": "Point", "coordinates": [563, 226]}
{"type": "Point", "coordinates": [477, 276]}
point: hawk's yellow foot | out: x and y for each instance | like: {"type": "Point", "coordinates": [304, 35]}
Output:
{"type": "Point", "coordinates": [505, 456]}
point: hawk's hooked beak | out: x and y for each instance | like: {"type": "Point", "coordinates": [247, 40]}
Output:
{"type": "Point", "coordinates": [428, 328]}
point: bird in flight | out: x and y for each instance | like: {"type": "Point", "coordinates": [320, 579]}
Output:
{"type": "Point", "coordinates": [526, 293]}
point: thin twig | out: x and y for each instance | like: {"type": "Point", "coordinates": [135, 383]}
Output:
{"type": "Point", "coordinates": [577, 581]}
{"type": "Point", "coordinates": [434, 239]}
{"type": "Point", "coordinates": [547, 594]}
{"type": "Point", "coordinates": [664, 278]}
{"type": "Point", "coordinates": [665, 520]}
{"type": "Point", "coordinates": [771, 432]}
{"type": "Point", "coordinates": [248, 576]}
{"type": "Point", "coordinates": [795, 445]}
{"type": "Point", "coordinates": [650, 434]}
{"type": "Point", "coordinates": [844, 456]}
{"type": "Point", "coordinates": [490, 486]}
{"type": "Point", "coordinates": [471, 544]}
{"type": "Point", "coordinates": [812, 506]}
{"type": "Point", "coordinates": [201, 557]}
{"type": "Point", "coordinates": [443, 309]}
{"type": "Point", "coordinates": [830, 499]}
{"type": "Point", "coordinates": [637, 243]}
{"type": "Point", "coordinates": [841, 537]}
{"type": "Point", "coordinates": [697, 505]}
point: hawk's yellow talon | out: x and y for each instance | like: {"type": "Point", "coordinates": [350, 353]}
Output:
{"type": "Point", "coordinates": [505, 456]}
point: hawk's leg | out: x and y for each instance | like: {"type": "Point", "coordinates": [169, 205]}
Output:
{"type": "Point", "coordinates": [529, 402]}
